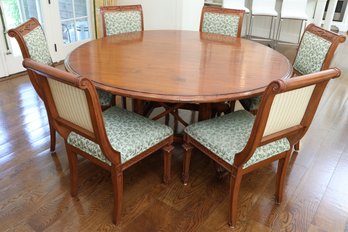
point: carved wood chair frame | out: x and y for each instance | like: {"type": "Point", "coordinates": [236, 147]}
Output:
{"type": "Point", "coordinates": [41, 74]}
{"type": "Point", "coordinates": [293, 134]}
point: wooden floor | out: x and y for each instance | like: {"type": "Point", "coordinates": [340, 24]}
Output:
{"type": "Point", "coordinates": [34, 184]}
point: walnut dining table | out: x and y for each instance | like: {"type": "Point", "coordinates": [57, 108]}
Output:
{"type": "Point", "coordinates": [178, 67]}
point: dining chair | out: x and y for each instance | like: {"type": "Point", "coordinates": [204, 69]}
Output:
{"type": "Point", "coordinates": [222, 21]}
{"type": "Point", "coordinates": [238, 5]}
{"type": "Point", "coordinates": [114, 139]}
{"type": "Point", "coordinates": [241, 142]}
{"type": "Point", "coordinates": [33, 44]}
{"type": "Point", "coordinates": [121, 19]}
{"type": "Point", "coordinates": [263, 8]}
{"type": "Point", "coordinates": [292, 10]}
{"type": "Point", "coordinates": [315, 52]}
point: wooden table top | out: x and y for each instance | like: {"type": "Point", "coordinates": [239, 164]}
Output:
{"type": "Point", "coordinates": [179, 66]}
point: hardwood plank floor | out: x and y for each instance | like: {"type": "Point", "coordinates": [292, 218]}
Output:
{"type": "Point", "coordinates": [34, 184]}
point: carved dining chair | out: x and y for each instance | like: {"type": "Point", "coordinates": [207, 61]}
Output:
{"type": "Point", "coordinates": [241, 142]}
{"type": "Point", "coordinates": [222, 21]}
{"type": "Point", "coordinates": [32, 42]}
{"type": "Point", "coordinates": [314, 53]}
{"type": "Point", "coordinates": [121, 19]}
{"type": "Point", "coordinates": [114, 139]}
{"type": "Point", "coordinates": [238, 5]}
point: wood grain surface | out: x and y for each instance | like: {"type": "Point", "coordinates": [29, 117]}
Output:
{"type": "Point", "coordinates": [34, 184]}
{"type": "Point", "coordinates": [179, 66]}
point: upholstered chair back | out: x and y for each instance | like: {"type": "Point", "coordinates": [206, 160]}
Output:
{"type": "Point", "coordinates": [316, 50]}
{"type": "Point", "coordinates": [121, 19]}
{"type": "Point", "coordinates": [287, 110]}
{"type": "Point", "coordinates": [295, 101]}
{"type": "Point", "coordinates": [71, 101]}
{"type": "Point", "coordinates": [222, 21]}
{"type": "Point", "coordinates": [32, 41]}
{"type": "Point", "coordinates": [71, 104]}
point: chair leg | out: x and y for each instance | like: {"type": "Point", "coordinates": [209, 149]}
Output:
{"type": "Point", "coordinates": [117, 182]}
{"type": "Point", "coordinates": [278, 32]}
{"type": "Point", "coordinates": [72, 157]}
{"type": "Point", "coordinates": [167, 161]}
{"type": "Point", "coordinates": [166, 121]}
{"type": "Point", "coordinates": [124, 102]}
{"type": "Point", "coordinates": [52, 136]}
{"type": "Point", "coordinates": [297, 146]}
{"type": "Point", "coordinates": [186, 164]}
{"type": "Point", "coordinates": [281, 173]}
{"type": "Point", "coordinates": [235, 180]}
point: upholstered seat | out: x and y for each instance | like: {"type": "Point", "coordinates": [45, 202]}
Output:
{"type": "Point", "coordinates": [128, 133]}
{"type": "Point", "coordinates": [241, 143]}
{"type": "Point", "coordinates": [227, 135]}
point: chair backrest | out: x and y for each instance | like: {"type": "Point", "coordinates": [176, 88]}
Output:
{"type": "Point", "coordinates": [222, 21]}
{"type": "Point", "coordinates": [286, 110]}
{"type": "Point", "coordinates": [72, 102]}
{"type": "Point", "coordinates": [263, 4]}
{"type": "Point", "coordinates": [316, 50]}
{"type": "Point", "coordinates": [32, 42]}
{"type": "Point", "coordinates": [294, 5]}
{"type": "Point", "coordinates": [121, 19]}
{"type": "Point", "coordinates": [233, 4]}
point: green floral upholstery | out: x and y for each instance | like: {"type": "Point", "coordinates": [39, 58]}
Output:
{"type": "Point", "coordinates": [122, 22]}
{"type": "Point", "coordinates": [220, 24]}
{"type": "Point", "coordinates": [252, 103]}
{"type": "Point", "coordinates": [36, 43]}
{"type": "Point", "coordinates": [311, 53]}
{"type": "Point", "coordinates": [228, 135]}
{"type": "Point", "coordinates": [310, 57]}
{"type": "Point", "coordinates": [128, 133]}
{"type": "Point", "coordinates": [104, 97]}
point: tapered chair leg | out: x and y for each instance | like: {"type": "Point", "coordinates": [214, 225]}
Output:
{"type": "Point", "coordinates": [281, 174]}
{"type": "Point", "coordinates": [72, 157]}
{"type": "Point", "coordinates": [52, 136]}
{"type": "Point", "coordinates": [186, 164]}
{"type": "Point", "coordinates": [297, 146]}
{"type": "Point", "coordinates": [167, 162]}
{"type": "Point", "coordinates": [117, 182]}
{"type": "Point", "coordinates": [235, 181]}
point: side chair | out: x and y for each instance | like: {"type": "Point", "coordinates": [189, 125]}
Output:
{"type": "Point", "coordinates": [121, 19]}
{"type": "Point", "coordinates": [315, 52]}
{"type": "Point", "coordinates": [33, 44]}
{"type": "Point", "coordinates": [114, 139]}
{"type": "Point", "coordinates": [241, 142]}
{"type": "Point", "coordinates": [222, 21]}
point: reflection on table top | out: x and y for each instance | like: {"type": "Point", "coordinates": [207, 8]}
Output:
{"type": "Point", "coordinates": [179, 66]}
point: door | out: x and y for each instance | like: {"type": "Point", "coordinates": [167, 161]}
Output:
{"type": "Point", "coordinates": [13, 13]}
{"type": "Point", "coordinates": [67, 24]}
{"type": "Point", "coordinates": [75, 22]}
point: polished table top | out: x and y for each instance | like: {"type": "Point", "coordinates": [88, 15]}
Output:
{"type": "Point", "coordinates": [179, 66]}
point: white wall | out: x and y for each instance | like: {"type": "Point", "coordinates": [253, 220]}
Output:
{"type": "Point", "coordinates": [185, 15]}
{"type": "Point", "coordinates": [158, 14]}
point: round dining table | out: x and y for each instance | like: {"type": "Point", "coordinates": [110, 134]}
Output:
{"type": "Point", "coordinates": [175, 66]}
